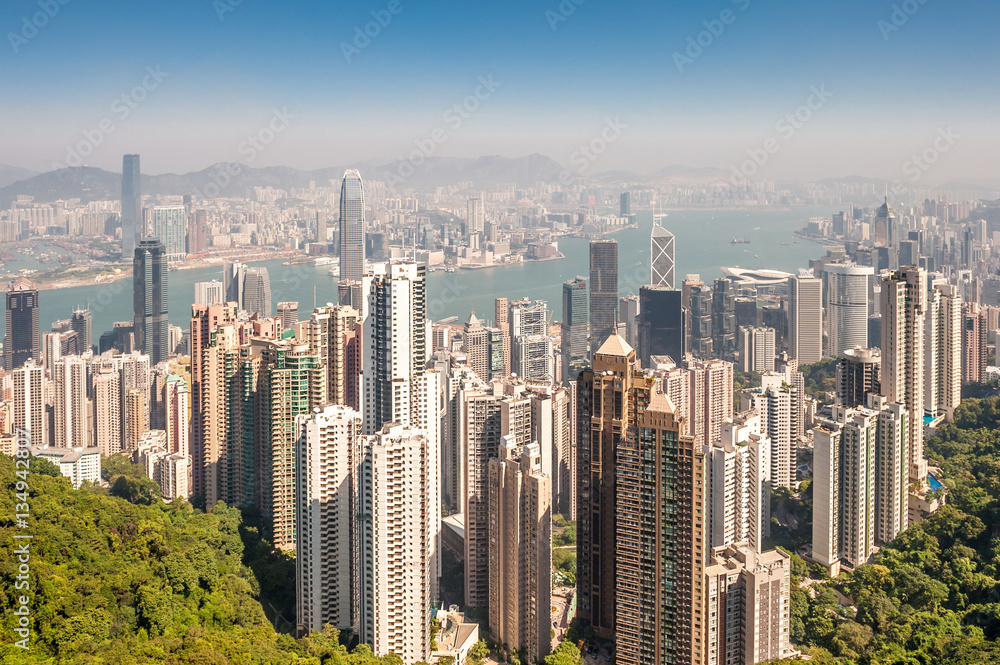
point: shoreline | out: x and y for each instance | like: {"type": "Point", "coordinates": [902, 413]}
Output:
{"type": "Point", "coordinates": [510, 263]}
{"type": "Point", "coordinates": [70, 282]}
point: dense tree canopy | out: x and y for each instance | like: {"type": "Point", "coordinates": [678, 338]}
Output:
{"type": "Point", "coordinates": [933, 595]}
{"type": "Point", "coordinates": [119, 582]}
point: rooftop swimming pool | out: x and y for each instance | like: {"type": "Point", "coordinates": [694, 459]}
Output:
{"type": "Point", "coordinates": [934, 482]}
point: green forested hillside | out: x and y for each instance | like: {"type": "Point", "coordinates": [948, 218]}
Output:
{"type": "Point", "coordinates": [933, 595]}
{"type": "Point", "coordinates": [115, 582]}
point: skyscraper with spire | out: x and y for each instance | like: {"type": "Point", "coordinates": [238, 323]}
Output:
{"type": "Point", "coordinates": [661, 252]}
{"type": "Point", "coordinates": [352, 227]}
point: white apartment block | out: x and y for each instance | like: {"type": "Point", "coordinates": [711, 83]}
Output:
{"type": "Point", "coordinates": [70, 408]}
{"type": "Point", "coordinates": [80, 465]}
{"type": "Point", "coordinates": [775, 403]}
{"type": "Point", "coordinates": [327, 453]}
{"type": "Point", "coordinates": [739, 483]}
{"type": "Point", "coordinates": [749, 598]}
{"type": "Point", "coordinates": [398, 534]}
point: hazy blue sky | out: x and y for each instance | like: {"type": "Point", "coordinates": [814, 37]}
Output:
{"type": "Point", "coordinates": [891, 90]}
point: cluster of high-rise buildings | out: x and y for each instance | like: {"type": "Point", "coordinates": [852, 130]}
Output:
{"type": "Point", "coordinates": [661, 422]}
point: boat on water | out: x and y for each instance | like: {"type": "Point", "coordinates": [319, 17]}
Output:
{"type": "Point", "coordinates": [325, 261]}
{"type": "Point", "coordinates": [739, 241]}
{"type": "Point", "coordinates": [334, 271]}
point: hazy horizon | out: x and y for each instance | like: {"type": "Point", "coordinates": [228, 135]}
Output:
{"type": "Point", "coordinates": [884, 83]}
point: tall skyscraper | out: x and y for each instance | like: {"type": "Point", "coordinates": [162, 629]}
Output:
{"type": "Point", "coordinates": [775, 401]}
{"type": "Point", "coordinates": [662, 255]}
{"type": "Point", "coordinates": [209, 336]}
{"type": "Point", "coordinates": [659, 561]}
{"type": "Point", "coordinates": [197, 231]}
{"type": "Point", "coordinates": [724, 319]}
{"type": "Point", "coordinates": [21, 340]}
{"type": "Point", "coordinates": [739, 483]}
{"type": "Point", "coordinates": [749, 598]}
{"type": "Point", "coordinates": [209, 293]}
{"type": "Point", "coordinates": [257, 292]}
{"type": "Point", "coordinates": [501, 309]}
{"type": "Point", "coordinates": [603, 291]}
{"type": "Point", "coordinates": [480, 430]}
{"type": "Point", "coordinates": [847, 295]}
{"type": "Point", "coordinates": [860, 482]}
{"type": "Point", "coordinates": [625, 204]}
{"type": "Point", "coordinates": [399, 521]}
{"type": "Point", "coordinates": [604, 409]}
{"type": "Point", "coordinates": [292, 382]}
{"type": "Point", "coordinates": [857, 376]}
{"type": "Point", "coordinates": [520, 542]}
{"type": "Point", "coordinates": [177, 415]}
{"type": "Point", "coordinates": [396, 349]}
{"type": "Point", "coordinates": [169, 224]}
{"type": "Point", "coordinates": [476, 219]}
{"type": "Point", "coordinates": [943, 349]}
{"type": "Point", "coordinates": [29, 402]}
{"type": "Point", "coordinates": [150, 298]}
{"type": "Point", "coordinates": [396, 385]}
{"type": "Point", "coordinates": [703, 392]}
{"type": "Point", "coordinates": [805, 319]}
{"type": "Point", "coordinates": [701, 345]}
{"type": "Point", "coordinates": [82, 325]}
{"type": "Point", "coordinates": [321, 235]}
{"type": "Point", "coordinates": [904, 309]}
{"type": "Point", "coordinates": [973, 344]}
{"type": "Point", "coordinates": [326, 578]}
{"type": "Point", "coordinates": [233, 278]}
{"type": "Point", "coordinates": [332, 331]}
{"type": "Point", "coordinates": [576, 318]}
{"type": "Point", "coordinates": [71, 422]}
{"type": "Point", "coordinates": [107, 410]}
{"type": "Point", "coordinates": [476, 343]}
{"type": "Point", "coordinates": [891, 482]}
{"type": "Point", "coordinates": [136, 417]}
{"type": "Point", "coordinates": [628, 319]}
{"type": "Point", "coordinates": [352, 227]}
{"type": "Point", "coordinates": [661, 324]}
{"type": "Point", "coordinates": [535, 356]}
{"type": "Point", "coordinates": [132, 222]}
{"type": "Point", "coordinates": [843, 516]}
{"type": "Point", "coordinates": [756, 349]}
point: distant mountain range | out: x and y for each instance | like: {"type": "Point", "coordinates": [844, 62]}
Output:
{"type": "Point", "coordinates": [233, 179]}
{"type": "Point", "coordinates": [9, 174]}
